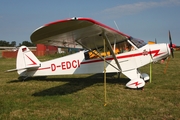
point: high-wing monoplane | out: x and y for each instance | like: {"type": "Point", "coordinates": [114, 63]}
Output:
{"type": "Point", "coordinates": [101, 44]}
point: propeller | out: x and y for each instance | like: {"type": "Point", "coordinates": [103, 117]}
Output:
{"type": "Point", "coordinates": [171, 45]}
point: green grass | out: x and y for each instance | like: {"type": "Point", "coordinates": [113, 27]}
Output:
{"type": "Point", "coordinates": [82, 96]}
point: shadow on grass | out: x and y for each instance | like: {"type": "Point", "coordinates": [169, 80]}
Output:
{"type": "Point", "coordinates": [74, 84]}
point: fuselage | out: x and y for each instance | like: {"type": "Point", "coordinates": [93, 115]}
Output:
{"type": "Point", "coordinates": [77, 63]}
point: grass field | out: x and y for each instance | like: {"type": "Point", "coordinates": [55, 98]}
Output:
{"type": "Point", "coordinates": [82, 96]}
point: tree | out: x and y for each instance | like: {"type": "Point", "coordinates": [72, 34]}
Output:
{"type": "Point", "coordinates": [27, 43]}
{"type": "Point", "coordinates": [13, 43]}
{"type": "Point", "coordinates": [4, 43]}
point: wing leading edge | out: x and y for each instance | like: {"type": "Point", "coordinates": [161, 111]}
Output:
{"type": "Point", "coordinates": [70, 32]}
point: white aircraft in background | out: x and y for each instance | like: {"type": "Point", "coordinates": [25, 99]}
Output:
{"type": "Point", "coordinates": [106, 50]}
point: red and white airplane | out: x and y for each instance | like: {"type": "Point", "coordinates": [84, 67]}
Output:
{"type": "Point", "coordinates": [122, 53]}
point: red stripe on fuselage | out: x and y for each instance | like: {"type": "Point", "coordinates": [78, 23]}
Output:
{"type": "Point", "coordinates": [155, 52]}
{"type": "Point", "coordinates": [44, 68]}
{"type": "Point", "coordinates": [30, 70]}
{"type": "Point", "coordinates": [111, 58]}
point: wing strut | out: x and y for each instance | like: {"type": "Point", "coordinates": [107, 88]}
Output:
{"type": "Point", "coordinates": [111, 50]}
{"type": "Point", "coordinates": [105, 93]}
{"type": "Point", "coordinates": [98, 55]}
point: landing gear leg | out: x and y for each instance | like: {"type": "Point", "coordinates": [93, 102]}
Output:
{"type": "Point", "coordinates": [119, 75]}
{"type": "Point", "coordinates": [22, 78]}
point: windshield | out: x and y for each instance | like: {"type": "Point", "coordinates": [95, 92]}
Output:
{"type": "Point", "coordinates": [137, 42]}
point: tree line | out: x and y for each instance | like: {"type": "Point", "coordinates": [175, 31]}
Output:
{"type": "Point", "coordinates": [4, 43]}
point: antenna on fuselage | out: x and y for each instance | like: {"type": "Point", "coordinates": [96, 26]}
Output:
{"type": "Point", "coordinates": [155, 41]}
{"type": "Point", "coordinates": [116, 25]}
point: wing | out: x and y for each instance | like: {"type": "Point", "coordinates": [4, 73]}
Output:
{"type": "Point", "coordinates": [70, 32]}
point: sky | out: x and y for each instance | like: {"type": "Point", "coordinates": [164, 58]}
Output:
{"type": "Point", "coordinates": [147, 20]}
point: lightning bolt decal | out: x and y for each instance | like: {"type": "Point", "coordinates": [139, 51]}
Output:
{"type": "Point", "coordinates": [136, 83]}
{"type": "Point", "coordinates": [156, 53]}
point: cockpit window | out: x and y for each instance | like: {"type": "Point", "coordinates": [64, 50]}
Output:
{"type": "Point", "coordinates": [118, 48]}
{"type": "Point", "coordinates": [137, 42]}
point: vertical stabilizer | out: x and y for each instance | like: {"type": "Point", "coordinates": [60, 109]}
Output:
{"type": "Point", "coordinates": [26, 59]}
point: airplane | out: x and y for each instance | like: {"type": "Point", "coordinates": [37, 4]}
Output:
{"type": "Point", "coordinates": [100, 43]}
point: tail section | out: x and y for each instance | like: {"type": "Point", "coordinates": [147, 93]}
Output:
{"type": "Point", "coordinates": [25, 60]}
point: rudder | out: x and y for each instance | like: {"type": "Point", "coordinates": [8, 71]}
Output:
{"type": "Point", "coordinates": [26, 59]}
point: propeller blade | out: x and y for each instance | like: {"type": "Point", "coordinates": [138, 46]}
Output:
{"type": "Point", "coordinates": [171, 45]}
{"type": "Point", "coordinates": [172, 51]}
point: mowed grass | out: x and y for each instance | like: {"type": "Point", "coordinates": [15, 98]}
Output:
{"type": "Point", "coordinates": [82, 96]}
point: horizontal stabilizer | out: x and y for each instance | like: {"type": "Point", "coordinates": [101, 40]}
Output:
{"type": "Point", "coordinates": [13, 70]}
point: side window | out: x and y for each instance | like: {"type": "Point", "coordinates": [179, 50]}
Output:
{"type": "Point", "coordinates": [97, 53]}
{"type": "Point", "coordinates": [121, 47]}
{"type": "Point", "coordinates": [124, 47]}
